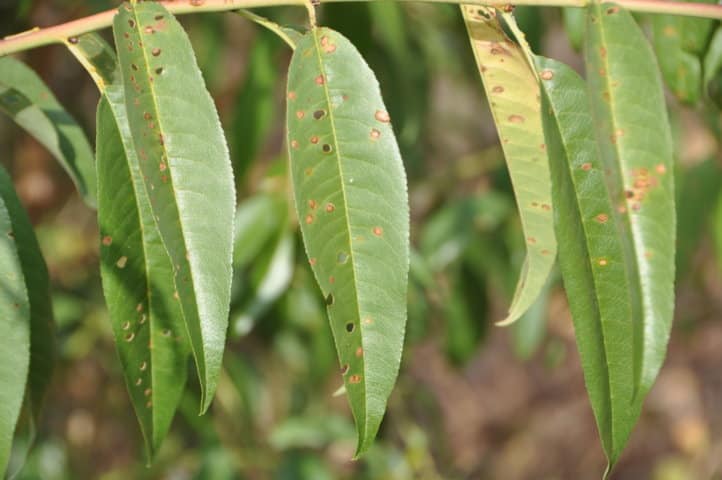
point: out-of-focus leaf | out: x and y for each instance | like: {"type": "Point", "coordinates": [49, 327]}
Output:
{"type": "Point", "coordinates": [136, 270]}
{"type": "Point", "coordinates": [679, 43]}
{"type": "Point", "coordinates": [258, 219]}
{"type": "Point", "coordinates": [634, 136]}
{"type": "Point", "coordinates": [270, 278]}
{"type": "Point", "coordinates": [26, 332]}
{"type": "Point", "coordinates": [255, 104]}
{"type": "Point", "coordinates": [512, 91]}
{"type": "Point", "coordinates": [464, 315]}
{"type": "Point", "coordinates": [529, 331]}
{"type": "Point", "coordinates": [574, 20]}
{"type": "Point", "coordinates": [186, 171]}
{"type": "Point", "coordinates": [31, 104]}
{"type": "Point", "coordinates": [698, 188]}
{"type": "Point", "coordinates": [310, 431]}
{"type": "Point", "coordinates": [713, 69]}
{"type": "Point", "coordinates": [350, 191]}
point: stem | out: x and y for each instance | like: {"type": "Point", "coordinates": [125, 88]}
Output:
{"type": "Point", "coordinates": [37, 37]}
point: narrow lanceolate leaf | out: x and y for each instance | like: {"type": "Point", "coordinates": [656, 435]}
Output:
{"type": "Point", "coordinates": [513, 94]}
{"type": "Point", "coordinates": [593, 233]}
{"type": "Point", "coordinates": [26, 332]}
{"type": "Point", "coordinates": [635, 144]}
{"type": "Point", "coordinates": [29, 102]}
{"type": "Point", "coordinates": [135, 267]}
{"type": "Point", "coordinates": [184, 163]}
{"type": "Point", "coordinates": [350, 190]}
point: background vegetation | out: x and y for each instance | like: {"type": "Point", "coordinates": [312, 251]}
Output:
{"type": "Point", "coordinates": [472, 400]}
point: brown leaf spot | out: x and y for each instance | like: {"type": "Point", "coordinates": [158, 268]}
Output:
{"type": "Point", "coordinates": [612, 10]}
{"type": "Point", "coordinates": [155, 52]}
{"type": "Point", "coordinates": [326, 148]}
{"type": "Point", "coordinates": [319, 114]}
{"type": "Point", "coordinates": [531, 240]}
{"type": "Point", "coordinates": [320, 80]}
{"type": "Point", "coordinates": [292, 95]}
{"type": "Point", "coordinates": [360, 352]}
{"type": "Point", "coordinates": [330, 207]}
{"type": "Point", "coordinates": [107, 240]}
{"type": "Point", "coordinates": [382, 116]}
{"type": "Point", "coordinates": [497, 89]}
{"type": "Point", "coordinates": [294, 144]}
{"type": "Point", "coordinates": [162, 166]}
{"type": "Point", "coordinates": [300, 114]}
{"type": "Point", "coordinates": [309, 219]}
{"type": "Point", "coordinates": [312, 204]}
{"type": "Point", "coordinates": [660, 169]}
{"type": "Point", "coordinates": [603, 52]}
{"type": "Point", "coordinates": [546, 207]}
{"type": "Point", "coordinates": [344, 369]}
{"type": "Point", "coordinates": [354, 379]}
{"type": "Point", "coordinates": [312, 261]}
{"type": "Point", "coordinates": [314, 139]}
{"type": "Point", "coordinates": [375, 134]}
{"type": "Point", "coordinates": [122, 261]}
{"type": "Point", "coordinates": [586, 166]}
{"type": "Point", "coordinates": [149, 29]}
{"type": "Point", "coordinates": [602, 218]}
{"type": "Point", "coordinates": [546, 75]}
{"type": "Point", "coordinates": [516, 119]}
{"type": "Point", "coordinates": [603, 262]}
{"type": "Point", "coordinates": [331, 279]}
{"type": "Point", "coordinates": [378, 231]}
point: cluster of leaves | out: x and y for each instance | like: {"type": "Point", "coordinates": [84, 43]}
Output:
{"type": "Point", "coordinates": [591, 163]}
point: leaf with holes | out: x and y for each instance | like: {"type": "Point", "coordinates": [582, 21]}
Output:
{"type": "Point", "coordinates": [186, 171]}
{"type": "Point", "coordinates": [512, 90]}
{"type": "Point", "coordinates": [136, 270]}
{"type": "Point", "coordinates": [350, 191]}
{"type": "Point", "coordinates": [31, 104]}
{"type": "Point", "coordinates": [593, 234]}
{"type": "Point", "coordinates": [635, 145]}
{"type": "Point", "coordinates": [26, 330]}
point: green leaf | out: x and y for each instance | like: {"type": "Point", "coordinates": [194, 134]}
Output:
{"type": "Point", "coordinates": [529, 331]}
{"type": "Point", "coordinates": [350, 191]}
{"type": "Point", "coordinates": [136, 270]}
{"type": "Point", "coordinates": [512, 90]}
{"type": "Point", "coordinates": [679, 43]}
{"type": "Point", "coordinates": [574, 19]}
{"type": "Point", "coordinates": [186, 171]}
{"type": "Point", "coordinates": [713, 69]}
{"type": "Point", "coordinates": [29, 102]}
{"type": "Point", "coordinates": [636, 146]}
{"type": "Point", "coordinates": [255, 104]}
{"type": "Point", "coordinates": [26, 332]}
{"type": "Point", "coordinates": [593, 235]}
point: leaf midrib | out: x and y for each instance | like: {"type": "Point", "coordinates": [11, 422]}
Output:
{"type": "Point", "coordinates": [568, 168]}
{"type": "Point", "coordinates": [191, 278]}
{"type": "Point", "coordinates": [630, 248]}
{"type": "Point", "coordinates": [337, 155]}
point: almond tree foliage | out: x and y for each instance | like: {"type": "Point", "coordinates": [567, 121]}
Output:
{"type": "Point", "coordinates": [591, 161]}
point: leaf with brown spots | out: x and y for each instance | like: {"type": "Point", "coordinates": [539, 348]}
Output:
{"type": "Point", "coordinates": [135, 268]}
{"type": "Point", "coordinates": [186, 172]}
{"type": "Point", "coordinates": [592, 236]}
{"type": "Point", "coordinates": [513, 94]}
{"type": "Point", "coordinates": [350, 191]}
{"type": "Point", "coordinates": [636, 150]}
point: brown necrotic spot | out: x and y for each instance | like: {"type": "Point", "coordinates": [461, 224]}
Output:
{"type": "Point", "coordinates": [292, 95]}
{"type": "Point", "coordinates": [131, 23]}
{"type": "Point", "coordinates": [378, 231]}
{"type": "Point", "coordinates": [359, 352]}
{"type": "Point", "coordinates": [155, 52]}
{"type": "Point", "coordinates": [602, 218]}
{"type": "Point", "coordinates": [149, 29]}
{"type": "Point", "coordinates": [603, 262]}
{"type": "Point", "coordinates": [107, 240]}
{"type": "Point", "coordinates": [309, 219]}
{"type": "Point", "coordinates": [516, 119]}
{"type": "Point", "coordinates": [320, 80]}
{"type": "Point", "coordinates": [312, 261]}
{"type": "Point", "coordinates": [612, 10]}
{"type": "Point", "coordinates": [350, 327]}
{"type": "Point", "coordinates": [661, 169]}
{"type": "Point", "coordinates": [129, 337]}
{"type": "Point", "coordinates": [354, 379]}
{"type": "Point", "coordinates": [586, 166]}
{"type": "Point", "coordinates": [329, 299]}
{"type": "Point", "coordinates": [546, 74]}
{"type": "Point", "coordinates": [342, 257]}
{"type": "Point", "coordinates": [159, 70]}
{"type": "Point", "coordinates": [330, 207]}
{"type": "Point", "coordinates": [331, 279]}
{"type": "Point", "coordinates": [73, 40]}
{"type": "Point", "coordinates": [314, 139]}
{"type": "Point", "coordinates": [294, 144]}
{"type": "Point", "coordinates": [375, 134]}
{"type": "Point", "coordinates": [134, 66]}
{"type": "Point", "coordinates": [497, 89]}
{"type": "Point", "coordinates": [312, 204]}
{"type": "Point", "coordinates": [300, 114]}
{"type": "Point", "coordinates": [327, 148]}
{"type": "Point", "coordinates": [382, 116]}
{"type": "Point", "coordinates": [344, 369]}
{"type": "Point", "coordinates": [158, 17]}
{"type": "Point", "coordinates": [319, 114]}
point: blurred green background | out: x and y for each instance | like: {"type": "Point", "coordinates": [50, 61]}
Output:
{"type": "Point", "coordinates": [473, 401]}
